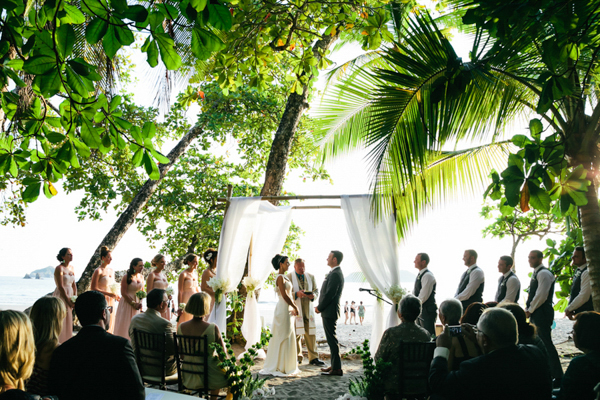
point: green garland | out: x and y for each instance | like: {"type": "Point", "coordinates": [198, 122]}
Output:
{"type": "Point", "coordinates": [372, 384]}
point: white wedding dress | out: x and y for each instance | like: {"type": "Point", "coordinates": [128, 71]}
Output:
{"type": "Point", "coordinates": [282, 355]}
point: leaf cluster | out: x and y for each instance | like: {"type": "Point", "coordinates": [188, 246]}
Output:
{"type": "Point", "coordinates": [559, 262]}
{"type": "Point", "coordinates": [372, 384]}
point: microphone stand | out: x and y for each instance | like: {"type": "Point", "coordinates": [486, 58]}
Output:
{"type": "Point", "coordinates": [373, 293]}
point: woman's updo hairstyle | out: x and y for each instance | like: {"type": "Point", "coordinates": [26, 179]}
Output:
{"type": "Point", "coordinates": [277, 260]}
{"type": "Point", "coordinates": [189, 258]}
{"type": "Point", "coordinates": [104, 251]}
{"type": "Point", "coordinates": [131, 270]}
{"type": "Point", "coordinates": [209, 255]}
{"type": "Point", "coordinates": [61, 254]}
{"type": "Point", "coordinates": [156, 259]}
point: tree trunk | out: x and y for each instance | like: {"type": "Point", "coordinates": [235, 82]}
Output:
{"type": "Point", "coordinates": [590, 224]}
{"type": "Point", "coordinates": [282, 142]}
{"type": "Point", "coordinates": [113, 237]}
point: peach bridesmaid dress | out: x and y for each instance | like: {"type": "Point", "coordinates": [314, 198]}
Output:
{"type": "Point", "coordinates": [126, 311]}
{"type": "Point", "coordinates": [67, 331]}
{"type": "Point", "coordinates": [190, 286]}
{"type": "Point", "coordinates": [104, 284]}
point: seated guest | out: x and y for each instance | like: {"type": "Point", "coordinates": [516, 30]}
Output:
{"type": "Point", "coordinates": [409, 310]}
{"type": "Point", "coordinates": [505, 370]}
{"type": "Point", "coordinates": [527, 331]}
{"type": "Point", "coordinates": [151, 321]}
{"type": "Point", "coordinates": [47, 316]}
{"type": "Point", "coordinates": [472, 313]}
{"type": "Point", "coordinates": [463, 348]}
{"type": "Point", "coordinates": [198, 305]}
{"type": "Point", "coordinates": [95, 364]}
{"type": "Point", "coordinates": [583, 373]}
{"type": "Point", "coordinates": [17, 353]}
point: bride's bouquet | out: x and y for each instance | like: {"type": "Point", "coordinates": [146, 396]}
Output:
{"type": "Point", "coordinates": [251, 284]}
{"type": "Point", "coordinates": [395, 293]}
{"type": "Point", "coordinates": [219, 286]}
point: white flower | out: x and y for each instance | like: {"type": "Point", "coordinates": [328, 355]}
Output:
{"type": "Point", "coordinates": [219, 284]}
{"type": "Point", "coordinates": [395, 293]}
{"type": "Point", "coordinates": [170, 291]}
{"type": "Point", "coordinates": [272, 391]}
{"type": "Point", "coordinates": [251, 283]}
{"type": "Point", "coordinates": [258, 392]}
{"type": "Point", "coordinates": [114, 288]}
{"type": "Point", "coordinates": [73, 298]}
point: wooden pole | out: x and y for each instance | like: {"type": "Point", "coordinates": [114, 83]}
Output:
{"type": "Point", "coordinates": [229, 192]}
{"type": "Point", "coordinates": [318, 197]}
{"type": "Point", "coordinates": [315, 207]}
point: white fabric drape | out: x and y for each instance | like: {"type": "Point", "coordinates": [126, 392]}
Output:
{"type": "Point", "coordinates": [238, 226]}
{"type": "Point", "coordinates": [375, 246]}
{"type": "Point", "coordinates": [272, 227]}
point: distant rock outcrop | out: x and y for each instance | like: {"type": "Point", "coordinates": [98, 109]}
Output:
{"type": "Point", "coordinates": [47, 272]}
{"type": "Point", "coordinates": [27, 276]}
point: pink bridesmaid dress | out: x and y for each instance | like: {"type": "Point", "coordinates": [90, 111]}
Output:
{"type": "Point", "coordinates": [163, 284]}
{"type": "Point", "coordinates": [67, 330]}
{"type": "Point", "coordinates": [126, 311]}
{"type": "Point", "coordinates": [104, 284]}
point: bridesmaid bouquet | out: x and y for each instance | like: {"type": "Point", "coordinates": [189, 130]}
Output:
{"type": "Point", "coordinates": [181, 307]}
{"type": "Point", "coordinates": [114, 288]}
{"type": "Point", "coordinates": [140, 294]}
{"type": "Point", "coordinates": [169, 291]}
{"type": "Point", "coordinates": [219, 286]}
{"type": "Point", "coordinates": [251, 284]}
{"type": "Point", "coordinates": [73, 298]}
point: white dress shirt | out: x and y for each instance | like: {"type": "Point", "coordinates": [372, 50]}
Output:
{"type": "Point", "coordinates": [476, 278]}
{"type": "Point", "coordinates": [513, 285]}
{"type": "Point", "coordinates": [545, 279]}
{"type": "Point", "coordinates": [585, 291]}
{"type": "Point", "coordinates": [427, 282]}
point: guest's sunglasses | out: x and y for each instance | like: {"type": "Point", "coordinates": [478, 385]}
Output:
{"type": "Point", "coordinates": [110, 309]}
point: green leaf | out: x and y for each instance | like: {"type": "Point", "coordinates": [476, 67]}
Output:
{"type": "Point", "coordinates": [38, 65]}
{"type": "Point", "coordinates": [169, 56]}
{"type": "Point", "coordinates": [123, 33]}
{"type": "Point", "coordinates": [150, 167]}
{"type": "Point", "coordinates": [152, 53]}
{"type": "Point", "coordinates": [535, 128]}
{"type": "Point", "coordinates": [539, 199]}
{"type": "Point", "coordinates": [76, 82]}
{"type": "Point", "coordinates": [114, 103]}
{"type": "Point", "coordinates": [148, 130]}
{"type": "Point", "coordinates": [136, 13]}
{"type": "Point", "coordinates": [32, 192]}
{"type": "Point", "coordinates": [95, 8]}
{"type": "Point", "coordinates": [65, 39]}
{"type": "Point", "coordinates": [111, 43]}
{"type": "Point", "coordinates": [160, 157]}
{"type": "Point", "coordinates": [17, 64]}
{"type": "Point", "coordinates": [89, 134]}
{"type": "Point", "coordinates": [96, 30]}
{"type": "Point", "coordinates": [220, 17]}
{"type": "Point", "coordinates": [119, 5]}
{"type": "Point", "coordinates": [82, 149]}
{"type": "Point", "coordinates": [137, 157]}
{"type": "Point", "coordinates": [74, 15]}
{"type": "Point", "coordinates": [49, 84]}
{"type": "Point", "coordinates": [198, 5]}
{"type": "Point", "coordinates": [55, 137]}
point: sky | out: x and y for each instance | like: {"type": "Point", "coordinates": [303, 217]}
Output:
{"type": "Point", "coordinates": [443, 233]}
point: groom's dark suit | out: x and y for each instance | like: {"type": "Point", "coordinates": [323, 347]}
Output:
{"type": "Point", "coordinates": [95, 365]}
{"type": "Point", "coordinates": [329, 307]}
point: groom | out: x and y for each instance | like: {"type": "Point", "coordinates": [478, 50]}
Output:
{"type": "Point", "coordinates": [329, 308]}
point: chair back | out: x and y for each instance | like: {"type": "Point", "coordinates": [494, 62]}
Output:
{"type": "Point", "coordinates": [150, 356]}
{"type": "Point", "coordinates": [191, 353]}
{"type": "Point", "coordinates": [414, 368]}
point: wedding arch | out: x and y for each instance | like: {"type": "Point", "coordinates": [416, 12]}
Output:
{"type": "Point", "coordinates": [254, 230]}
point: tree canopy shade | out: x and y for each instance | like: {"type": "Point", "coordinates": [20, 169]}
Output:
{"type": "Point", "coordinates": [527, 57]}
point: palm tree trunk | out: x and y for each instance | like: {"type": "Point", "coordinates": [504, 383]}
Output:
{"type": "Point", "coordinates": [590, 224]}
{"type": "Point", "coordinates": [126, 219]}
{"type": "Point", "coordinates": [282, 142]}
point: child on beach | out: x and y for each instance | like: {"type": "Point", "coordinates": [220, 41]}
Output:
{"type": "Point", "coordinates": [361, 312]}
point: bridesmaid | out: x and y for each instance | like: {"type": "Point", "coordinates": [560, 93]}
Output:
{"type": "Point", "coordinates": [102, 279]}
{"type": "Point", "coordinates": [210, 256]}
{"type": "Point", "coordinates": [188, 285]}
{"type": "Point", "coordinates": [158, 280]}
{"type": "Point", "coordinates": [129, 305]}
{"type": "Point", "coordinates": [64, 277]}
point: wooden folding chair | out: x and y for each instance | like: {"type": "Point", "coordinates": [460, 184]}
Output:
{"type": "Point", "coordinates": [150, 355]}
{"type": "Point", "coordinates": [413, 376]}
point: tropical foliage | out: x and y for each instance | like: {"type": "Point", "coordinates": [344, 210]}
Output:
{"type": "Point", "coordinates": [419, 98]}
{"type": "Point", "coordinates": [372, 384]}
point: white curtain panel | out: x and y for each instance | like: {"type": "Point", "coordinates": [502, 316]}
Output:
{"type": "Point", "coordinates": [378, 326]}
{"type": "Point", "coordinates": [375, 246]}
{"type": "Point", "coordinates": [272, 227]}
{"type": "Point", "coordinates": [238, 225]}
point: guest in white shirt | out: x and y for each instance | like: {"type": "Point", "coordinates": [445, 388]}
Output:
{"type": "Point", "coordinates": [539, 309]}
{"type": "Point", "coordinates": [470, 288]}
{"type": "Point", "coordinates": [425, 290]}
{"type": "Point", "coordinates": [509, 286]}
{"type": "Point", "coordinates": [581, 291]}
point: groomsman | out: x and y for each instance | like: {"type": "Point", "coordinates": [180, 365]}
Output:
{"type": "Point", "coordinates": [470, 288]}
{"type": "Point", "coordinates": [425, 290]}
{"type": "Point", "coordinates": [305, 289]}
{"type": "Point", "coordinates": [329, 308]}
{"type": "Point", "coordinates": [539, 309]}
{"type": "Point", "coordinates": [509, 286]}
{"type": "Point", "coordinates": [581, 291]}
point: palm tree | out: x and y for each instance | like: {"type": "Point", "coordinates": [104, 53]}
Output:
{"type": "Point", "coordinates": [420, 98]}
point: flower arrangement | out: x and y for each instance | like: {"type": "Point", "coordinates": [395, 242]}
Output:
{"type": "Point", "coordinates": [181, 307]}
{"type": "Point", "coordinates": [372, 385]}
{"type": "Point", "coordinates": [140, 294]}
{"type": "Point", "coordinates": [251, 284]}
{"type": "Point", "coordinates": [73, 298]}
{"type": "Point", "coordinates": [242, 385]}
{"type": "Point", "coordinates": [170, 291]}
{"type": "Point", "coordinates": [114, 288]}
{"type": "Point", "coordinates": [220, 286]}
{"type": "Point", "coordinates": [395, 293]}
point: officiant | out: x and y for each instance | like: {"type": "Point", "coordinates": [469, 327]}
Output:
{"type": "Point", "coordinates": [305, 291]}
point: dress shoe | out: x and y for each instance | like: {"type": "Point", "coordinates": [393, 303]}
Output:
{"type": "Point", "coordinates": [317, 362]}
{"type": "Point", "coordinates": [328, 369]}
{"type": "Point", "coordinates": [334, 372]}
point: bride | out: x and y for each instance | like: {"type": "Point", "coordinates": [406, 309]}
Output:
{"type": "Point", "coordinates": [282, 355]}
